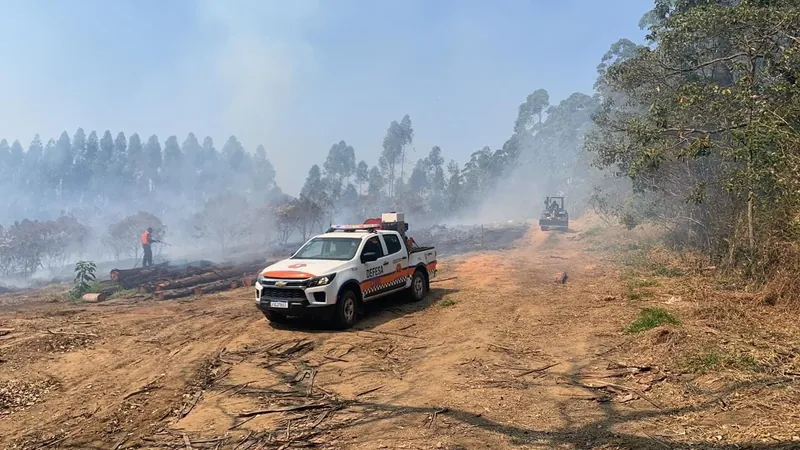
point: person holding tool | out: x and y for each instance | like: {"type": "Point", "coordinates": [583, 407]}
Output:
{"type": "Point", "coordinates": [147, 240]}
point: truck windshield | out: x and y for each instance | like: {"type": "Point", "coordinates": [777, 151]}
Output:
{"type": "Point", "coordinates": [342, 249]}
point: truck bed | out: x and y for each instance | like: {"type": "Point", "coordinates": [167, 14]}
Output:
{"type": "Point", "coordinates": [419, 249]}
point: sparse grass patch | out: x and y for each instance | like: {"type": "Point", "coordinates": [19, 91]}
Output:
{"type": "Point", "coordinates": [638, 295]}
{"type": "Point", "coordinates": [667, 271]}
{"type": "Point", "coordinates": [651, 318]}
{"type": "Point", "coordinates": [604, 247]}
{"type": "Point", "coordinates": [594, 231]}
{"type": "Point", "coordinates": [96, 287]}
{"type": "Point", "coordinates": [447, 302]}
{"type": "Point", "coordinates": [713, 361]}
{"type": "Point", "coordinates": [635, 285]}
{"type": "Point", "coordinates": [123, 293]}
{"type": "Point", "coordinates": [642, 283]}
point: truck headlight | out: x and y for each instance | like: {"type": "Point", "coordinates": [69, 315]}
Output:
{"type": "Point", "coordinates": [321, 281]}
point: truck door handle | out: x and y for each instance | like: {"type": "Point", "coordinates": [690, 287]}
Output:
{"type": "Point", "coordinates": [386, 263]}
{"type": "Point", "coordinates": [404, 257]}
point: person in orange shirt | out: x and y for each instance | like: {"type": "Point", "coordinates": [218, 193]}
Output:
{"type": "Point", "coordinates": [147, 240]}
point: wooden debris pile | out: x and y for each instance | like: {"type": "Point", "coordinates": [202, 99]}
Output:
{"type": "Point", "coordinates": [202, 277]}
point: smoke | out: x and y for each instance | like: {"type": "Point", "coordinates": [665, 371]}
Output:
{"type": "Point", "coordinates": [259, 62]}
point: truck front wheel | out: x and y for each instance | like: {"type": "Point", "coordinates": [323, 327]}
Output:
{"type": "Point", "coordinates": [275, 317]}
{"type": "Point", "coordinates": [418, 287]}
{"type": "Point", "coordinates": [346, 309]}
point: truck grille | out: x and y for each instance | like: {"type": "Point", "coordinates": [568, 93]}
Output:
{"type": "Point", "coordinates": [288, 283]}
{"type": "Point", "coordinates": [282, 293]}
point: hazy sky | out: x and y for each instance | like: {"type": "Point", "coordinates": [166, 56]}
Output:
{"type": "Point", "coordinates": [298, 75]}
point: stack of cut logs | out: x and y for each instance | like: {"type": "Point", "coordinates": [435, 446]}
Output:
{"type": "Point", "coordinates": [167, 282]}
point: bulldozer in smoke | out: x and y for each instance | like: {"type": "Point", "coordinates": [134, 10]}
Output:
{"type": "Point", "coordinates": [554, 215]}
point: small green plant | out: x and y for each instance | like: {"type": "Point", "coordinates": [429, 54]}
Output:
{"type": "Point", "coordinates": [447, 302]}
{"type": "Point", "coordinates": [651, 318]}
{"type": "Point", "coordinates": [84, 276]}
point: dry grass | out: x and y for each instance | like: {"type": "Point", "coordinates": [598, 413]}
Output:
{"type": "Point", "coordinates": [722, 327]}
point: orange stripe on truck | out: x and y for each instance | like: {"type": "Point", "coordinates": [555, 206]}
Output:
{"type": "Point", "coordinates": [290, 274]}
{"type": "Point", "coordinates": [385, 279]}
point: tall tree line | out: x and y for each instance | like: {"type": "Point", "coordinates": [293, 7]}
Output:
{"type": "Point", "coordinates": [100, 170]}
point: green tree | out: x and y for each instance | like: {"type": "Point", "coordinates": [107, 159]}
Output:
{"type": "Point", "coordinates": [85, 161]}
{"type": "Point", "coordinates": [314, 188]}
{"type": "Point", "coordinates": [408, 138]}
{"type": "Point", "coordinates": [173, 157]}
{"type": "Point", "coordinates": [398, 136]}
{"type": "Point", "coordinates": [530, 114]}
{"type": "Point", "coordinates": [135, 164]}
{"type": "Point", "coordinates": [362, 175]}
{"type": "Point", "coordinates": [418, 183]}
{"type": "Point", "coordinates": [339, 166]}
{"type": "Point", "coordinates": [103, 166]}
{"type": "Point", "coordinates": [437, 180]}
{"type": "Point", "coordinates": [234, 154]}
{"type": "Point", "coordinates": [154, 158]}
{"type": "Point", "coordinates": [264, 173]}
{"type": "Point", "coordinates": [119, 158]}
{"type": "Point", "coordinates": [60, 163]}
{"type": "Point", "coordinates": [5, 161]}
{"type": "Point", "coordinates": [454, 195]}
{"type": "Point", "coordinates": [376, 184]}
{"type": "Point", "coordinates": [15, 160]}
{"type": "Point", "coordinates": [192, 153]}
{"type": "Point", "coordinates": [33, 165]}
{"type": "Point", "coordinates": [702, 123]}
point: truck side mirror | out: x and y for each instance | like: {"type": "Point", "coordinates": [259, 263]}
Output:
{"type": "Point", "coordinates": [369, 257]}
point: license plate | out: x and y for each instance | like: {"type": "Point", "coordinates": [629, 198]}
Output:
{"type": "Point", "coordinates": [274, 304]}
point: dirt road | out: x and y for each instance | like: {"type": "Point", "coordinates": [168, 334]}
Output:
{"type": "Point", "coordinates": [499, 356]}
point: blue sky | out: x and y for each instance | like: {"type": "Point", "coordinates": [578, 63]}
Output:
{"type": "Point", "coordinates": [298, 75]}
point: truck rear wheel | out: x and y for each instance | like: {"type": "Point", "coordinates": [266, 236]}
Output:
{"type": "Point", "coordinates": [418, 287]}
{"type": "Point", "coordinates": [346, 312]}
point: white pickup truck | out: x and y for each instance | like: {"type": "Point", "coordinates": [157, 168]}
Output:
{"type": "Point", "coordinates": [334, 273]}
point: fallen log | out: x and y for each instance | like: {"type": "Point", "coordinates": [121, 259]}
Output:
{"type": "Point", "coordinates": [155, 272]}
{"type": "Point", "coordinates": [152, 279]}
{"type": "Point", "coordinates": [219, 286]}
{"type": "Point", "coordinates": [175, 293]}
{"type": "Point", "coordinates": [206, 277]}
{"type": "Point", "coordinates": [216, 286]}
{"type": "Point", "coordinates": [132, 282]}
{"type": "Point", "coordinates": [93, 298]}
{"type": "Point", "coordinates": [122, 274]}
